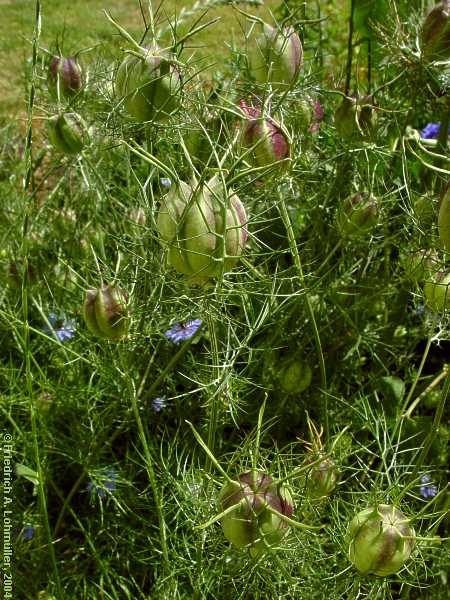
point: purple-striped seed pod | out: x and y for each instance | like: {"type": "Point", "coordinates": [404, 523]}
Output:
{"type": "Point", "coordinates": [251, 525]}
{"type": "Point", "coordinates": [277, 57]}
{"type": "Point", "coordinates": [435, 33]}
{"type": "Point", "coordinates": [106, 312]}
{"type": "Point", "coordinates": [266, 138]}
{"type": "Point", "coordinates": [67, 73]}
{"type": "Point", "coordinates": [381, 540]}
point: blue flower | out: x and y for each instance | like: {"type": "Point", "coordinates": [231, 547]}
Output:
{"type": "Point", "coordinates": [28, 533]}
{"type": "Point", "coordinates": [159, 403]}
{"type": "Point", "coordinates": [60, 328]}
{"type": "Point", "coordinates": [179, 333]}
{"type": "Point", "coordinates": [431, 131]}
{"type": "Point", "coordinates": [104, 481]}
{"type": "Point", "coordinates": [165, 182]}
{"type": "Point", "coordinates": [427, 490]}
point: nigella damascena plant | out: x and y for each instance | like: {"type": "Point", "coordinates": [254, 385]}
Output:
{"type": "Point", "coordinates": [381, 540]}
{"type": "Point", "coordinates": [358, 214]}
{"type": "Point", "coordinates": [65, 74]}
{"type": "Point", "coordinates": [355, 118]}
{"type": "Point", "coordinates": [106, 312]}
{"type": "Point", "coordinates": [322, 478]}
{"type": "Point", "coordinates": [265, 139]}
{"type": "Point", "coordinates": [276, 57]}
{"type": "Point", "coordinates": [255, 505]}
{"type": "Point", "coordinates": [435, 32]}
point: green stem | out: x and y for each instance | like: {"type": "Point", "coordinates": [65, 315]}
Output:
{"type": "Point", "coordinates": [348, 69]}
{"type": "Point", "coordinates": [27, 188]}
{"type": "Point", "coordinates": [215, 372]}
{"type": "Point", "coordinates": [298, 264]}
{"type": "Point", "coordinates": [152, 480]}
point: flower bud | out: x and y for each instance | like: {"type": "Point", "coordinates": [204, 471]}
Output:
{"type": "Point", "coordinates": [149, 85]}
{"type": "Point", "coordinates": [295, 377]}
{"type": "Point", "coordinates": [106, 312]}
{"type": "Point", "coordinates": [65, 73]}
{"type": "Point", "coordinates": [358, 215]}
{"type": "Point", "coordinates": [276, 58]}
{"type": "Point", "coordinates": [68, 133]}
{"type": "Point", "coordinates": [435, 34]}
{"type": "Point", "coordinates": [265, 137]}
{"type": "Point", "coordinates": [380, 540]}
{"type": "Point", "coordinates": [437, 292]}
{"type": "Point", "coordinates": [251, 524]}
{"type": "Point", "coordinates": [322, 478]}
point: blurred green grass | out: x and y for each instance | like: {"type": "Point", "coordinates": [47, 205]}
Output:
{"type": "Point", "coordinates": [82, 24]}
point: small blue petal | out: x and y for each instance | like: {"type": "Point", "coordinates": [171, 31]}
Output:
{"type": "Point", "coordinates": [28, 533]}
{"type": "Point", "coordinates": [178, 332]}
{"type": "Point", "coordinates": [159, 403]}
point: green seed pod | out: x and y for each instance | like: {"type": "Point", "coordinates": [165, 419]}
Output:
{"type": "Point", "coordinates": [276, 58]}
{"type": "Point", "coordinates": [358, 215]}
{"type": "Point", "coordinates": [106, 312]}
{"type": "Point", "coordinates": [437, 292]}
{"type": "Point", "coordinates": [65, 73]}
{"type": "Point", "coordinates": [68, 133]}
{"type": "Point", "coordinates": [191, 222]}
{"type": "Point", "coordinates": [425, 212]}
{"type": "Point", "coordinates": [322, 478]}
{"type": "Point", "coordinates": [444, 218]}
{"type": "Point", "coordinates": [295, 377]}
{"type": "Point", "coordinates": [149, 85]}
{"type": "Point", "coordinates": [435, 34]}
{"type": "Point", "coordinates": [420, 265]}
{"type": "Point", "coordinates": [380, 540]}
{"type": "Point", "coordinates": [252, 525]}
{"type": "Point", "coordinates": [355, 118]}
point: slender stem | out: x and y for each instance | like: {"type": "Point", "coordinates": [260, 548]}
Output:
{"type": "Point", "coordinates": [418, 374]}
{"type": "Point", "coordinates": [152, 479]}
{"type": "Point", "coordinates": [215, 372]}
{"type": "Point", "coordinates": [348, 69]}
{"type": "Point", "coordinates": [369, 66]}
{"type": "Point", "coordinates": [436, 381]}
{"type": "Point", "coordinates": [298, 264]}
{"type": "Point", "coordinates": [27, 188]}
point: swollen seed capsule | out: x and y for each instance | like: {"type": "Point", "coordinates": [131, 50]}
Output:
{"type": "Point", "coordinates": [380, 540]}
{"type": "Point", "coordinates": [437, 292]}
{"type": "Point", "coordinates": [276, 58]}
{"type": "Point", "coordinates": [106, 312]}
{"type": "Point", "coordinates": [295, 377]}
{"type": "Point", "coordinates": [68, 133]}
{"type": "Point", "coordinates": [435, 32]}
{"type": "Point", "coordinates": [65, 72]}
{"type": "Point", "coordinates": [252, 525]}
{"type": "Point", "coordinates": [322, 478]}
{"type": "Point", "coordinates": [358, 215]}
{"type": "Point", "coordinates": [266, 138]}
